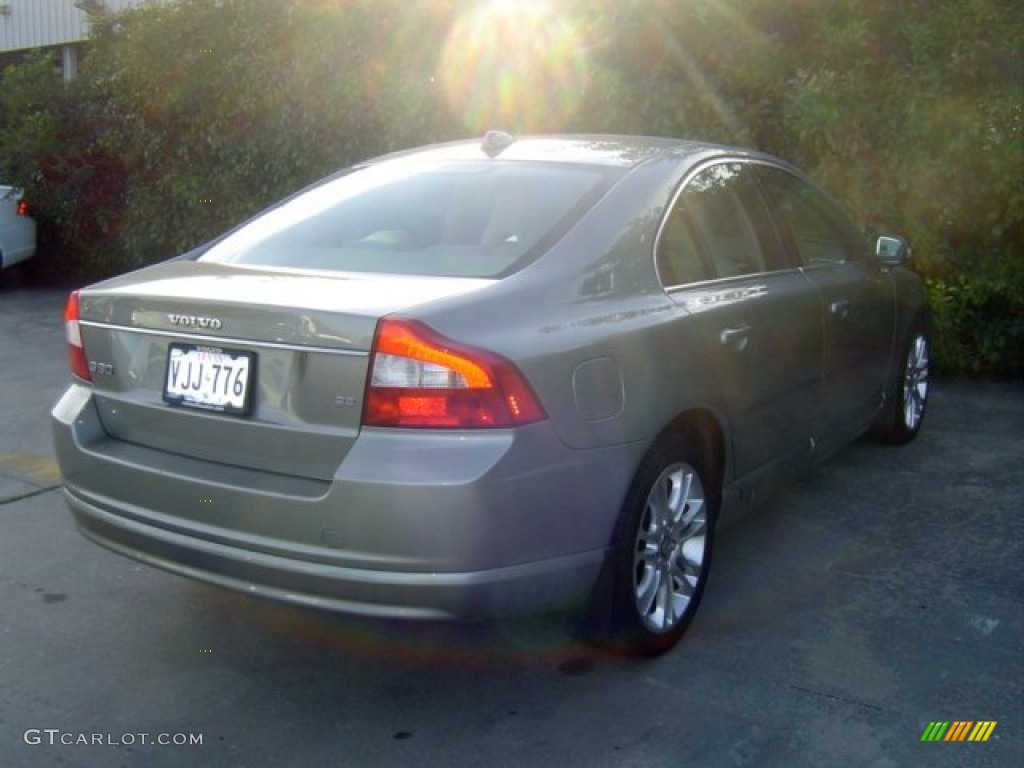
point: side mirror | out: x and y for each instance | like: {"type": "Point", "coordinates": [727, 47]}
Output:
{"type": "Point", "coordinates": [892, 251]}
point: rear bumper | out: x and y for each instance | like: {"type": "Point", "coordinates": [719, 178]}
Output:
{"type": "Point", "coordinates": [17, 241]}
{"type": "Point", "coordinates": [387, 594]}
{"type": "Point", "coordinates": [422, 526]}
{"type": "Point", "coordinates": [17, 254]}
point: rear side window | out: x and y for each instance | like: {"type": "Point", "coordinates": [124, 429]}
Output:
{"type": "Point", "coordinates": [464, 219]}
{"type": "Point", "coordinates": [808, 221]}
{"type": "Point", "coordinates": [680, 259]}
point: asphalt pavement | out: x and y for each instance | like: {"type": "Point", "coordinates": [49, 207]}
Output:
{"type": "Point", "coordinates": [882, 593]}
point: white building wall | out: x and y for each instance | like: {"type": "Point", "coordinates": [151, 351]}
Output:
{"type": "Point", "coordinates": [38, 23]}
{"type": "Point", "coordinates": [41, 23]}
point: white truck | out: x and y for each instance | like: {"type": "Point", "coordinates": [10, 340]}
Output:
{"type": "Point", "coordinates": [17, 227]}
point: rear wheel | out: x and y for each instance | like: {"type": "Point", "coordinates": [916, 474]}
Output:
{"type": "Point", "coordinates": [662, 550]}
{"type": "Point", "coordinates": [907, 398]}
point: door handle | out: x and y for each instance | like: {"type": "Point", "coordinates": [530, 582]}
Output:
{"type": "Point", "coordinates": [840, 308]}
{"type": "Point", "coordinates": [737, 338]}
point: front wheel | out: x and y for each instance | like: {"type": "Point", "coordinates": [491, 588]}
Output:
{"type": "Point", "coordinates": [901, 417]}
{"type": "Point", "coordinates": [662, 550]}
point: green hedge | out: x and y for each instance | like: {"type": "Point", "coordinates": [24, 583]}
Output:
{"type": "Point", "coordinates": [981, 324]}
{"type": "Point", "coordinates": [190, 115]}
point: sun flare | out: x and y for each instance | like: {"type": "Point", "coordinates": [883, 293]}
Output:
{"type": "Point", "coordinates": [514, 64]}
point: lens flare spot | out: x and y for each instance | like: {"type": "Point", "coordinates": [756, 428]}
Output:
{"type": "Point", "coordinates": [514, 64]}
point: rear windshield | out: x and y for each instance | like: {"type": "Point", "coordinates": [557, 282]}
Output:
{"type": "Point", "coordinates": [452, 219]}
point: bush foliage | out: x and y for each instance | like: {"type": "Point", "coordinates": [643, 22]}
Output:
{"type": "Point", "coordinates": [190, 115]}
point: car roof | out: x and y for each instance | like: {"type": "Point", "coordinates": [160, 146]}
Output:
{"type": "Point", "coordinates": [591, 149]}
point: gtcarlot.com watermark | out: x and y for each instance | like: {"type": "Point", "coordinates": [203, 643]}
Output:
{"type": "Point", "coordinates": [57, 737]}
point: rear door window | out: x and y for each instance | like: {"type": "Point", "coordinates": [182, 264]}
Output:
{"type": "Point", "coordinates": [716, 229]}
{"type": "Point", "coordinates": [713, 201]}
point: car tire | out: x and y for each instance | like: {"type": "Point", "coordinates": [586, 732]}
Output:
{"type": "Point", "coordinates": [907, 396]}
{"type": "Point", "coordinates": [661, 550]}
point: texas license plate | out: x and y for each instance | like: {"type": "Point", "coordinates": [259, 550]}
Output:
{"type": "Point", "coordinates": [210, 378]}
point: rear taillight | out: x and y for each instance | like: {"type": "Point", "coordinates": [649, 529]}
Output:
{"type": "Point", "coordinates": [73, 332]}
{"type": "Point", "coordinates": [419, 378]}
{"type": "Point", "coordinates": [22, 208]}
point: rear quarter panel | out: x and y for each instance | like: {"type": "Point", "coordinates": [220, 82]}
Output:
{"type": "Point", "coordinates": [589, 323]}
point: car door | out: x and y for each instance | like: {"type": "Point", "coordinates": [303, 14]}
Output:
{"type": "Point", "coordinates": [856, 297]}
{"type": "Point", "coordinates": [758, 318]}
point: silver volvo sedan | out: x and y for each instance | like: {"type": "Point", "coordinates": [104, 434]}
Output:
{"type": "Point", "coordinates": [489, 377]}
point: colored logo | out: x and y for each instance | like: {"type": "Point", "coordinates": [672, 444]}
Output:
{"type": "Point", "coordinates": [959, 730]}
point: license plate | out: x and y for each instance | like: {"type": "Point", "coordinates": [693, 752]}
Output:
{"type": "Point", "coordinates": [210, 378]}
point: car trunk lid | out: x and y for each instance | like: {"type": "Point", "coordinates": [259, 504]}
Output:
{"type": "Point", "coordinates": [297, 343]}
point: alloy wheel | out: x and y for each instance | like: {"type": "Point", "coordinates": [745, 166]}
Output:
{"type": "Point", "coordinates": [915, 383]}
{"type": "Point", "coordinates": [671, 547]}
